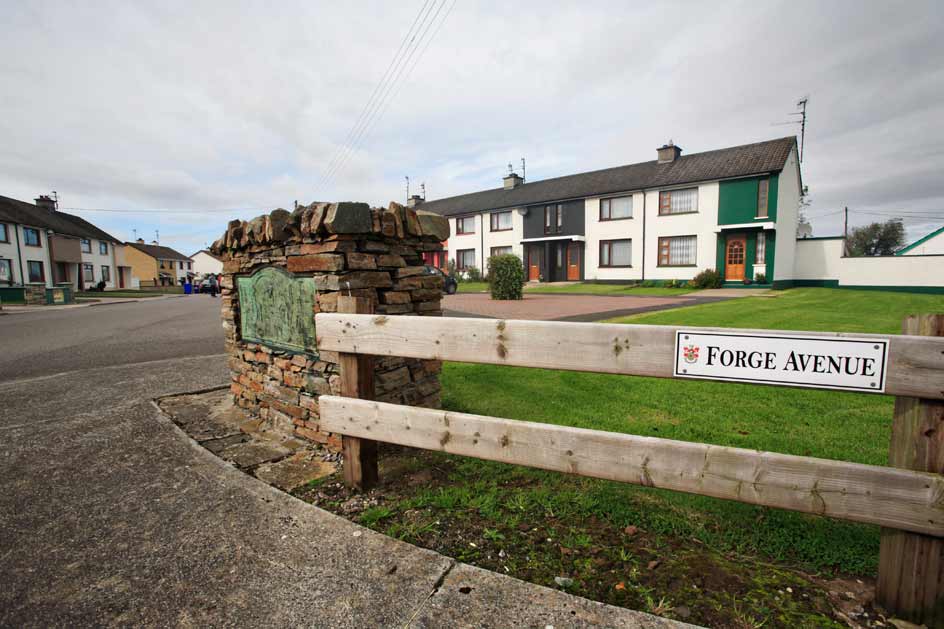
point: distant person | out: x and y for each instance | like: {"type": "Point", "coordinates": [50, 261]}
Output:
{"type": "Point", "coordinates": [214, 287]}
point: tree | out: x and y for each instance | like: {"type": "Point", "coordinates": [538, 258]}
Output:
{"type": "Point", "coordinates": [877, 239]}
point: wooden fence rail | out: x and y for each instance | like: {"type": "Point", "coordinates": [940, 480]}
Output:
{"type": "Point", "coordinates": [907, 499]}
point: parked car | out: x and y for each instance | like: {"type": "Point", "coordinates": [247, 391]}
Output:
{"type": "Point", "coordinates": [450, 285]}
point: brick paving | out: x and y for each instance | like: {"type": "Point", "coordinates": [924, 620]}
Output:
{"type": "Point", "coordinates": [548, 307]}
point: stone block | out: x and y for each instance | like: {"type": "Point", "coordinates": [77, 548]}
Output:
{"type": "Point", "coordinates": [395, 297]}
{"type": "Point", "coordinates": [348, 218]}
{"type": "Point", "coordinates": [410, 271]}
{"type": "Point", "coordinates": [390, 260]}
{"type": "Point", "coordinates": [315, 262]}
{"type": "Point", "coordinates": [361, 261]}
{"type": "Point", "coordinates": [433, 225]}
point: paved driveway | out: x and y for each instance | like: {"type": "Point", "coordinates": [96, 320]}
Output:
{"type": "Point", "coordinates": [110, 516]}
{"type": "Point", "coordinates": [556, 307]}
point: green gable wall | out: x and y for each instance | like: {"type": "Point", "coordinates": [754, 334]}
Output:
{"type": "Point", "coordinates": [737, 201]}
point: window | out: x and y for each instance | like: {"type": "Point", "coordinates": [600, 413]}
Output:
{"type": "Point", "coordinates": [763, 187]}
{"type": "Point", "coordinates": [103, 248]}
{"type": "Point", "coordinates": [615, 209]}
{"type": "Point", "coordinates": [4, 234]}
{"type": "Point", "coordinates": [31, 237]}
{"type": "Point", "coordinates": [678, 201]}
{"type": "Point", "coordinates": [501, 251]}
{"type": "Point", "coordinates": [501, 221]}
{"type": "Point", "coordinates": [189, 266]}
{"type": "Point", "coordinates": [88, 273]}
{"type": "Point", "coordinates": [553, 219]}
{"type": "Point", "coordinates": [106, 273]}
{"type": "Point", "coordinates": [36, 272]}
{"type": "Point", "coordinates": [465, 225]}
{"type": "Point", "coordinates": [760, 256]}
{"type": "Point", "coordinates": [465, 258]}
{"type": "Point", "coordinates": [181, 265]}
{"type": "Point", "coordinates": [677, 251]}
{"type": "Point", "coordinates": [616, 252]}
{"type": "Point", "coordinates": [6, 271]}
{"type": "Point", "coordinates": [86, 245]}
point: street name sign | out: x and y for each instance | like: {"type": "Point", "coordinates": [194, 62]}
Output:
{"type": "Point", "coordinates": [851, 364]}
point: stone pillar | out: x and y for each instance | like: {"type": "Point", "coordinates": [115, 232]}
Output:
{"type": "Point", "coordinates": [293, 265]}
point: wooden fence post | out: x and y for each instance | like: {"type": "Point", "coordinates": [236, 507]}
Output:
{"type": "Point", "coordinates": [911, 565]}
{"type": "Point", "coordinates": [357, 380]}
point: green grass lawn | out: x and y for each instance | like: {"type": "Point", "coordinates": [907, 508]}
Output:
{"type": "Point", "coordinates": [828, 424]}
{"type": "Point", "coordinates": [473, 287]}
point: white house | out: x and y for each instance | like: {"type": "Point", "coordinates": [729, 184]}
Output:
{"type": "Point", "coordinates": [205, 263]}
{"type": "Point", "coordinates": [733, 209]}
{"type": "Point", "coordinates": [41, 246]}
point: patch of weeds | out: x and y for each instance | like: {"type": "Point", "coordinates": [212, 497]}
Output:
{"type": "Point", "coordinates": [372, 516]}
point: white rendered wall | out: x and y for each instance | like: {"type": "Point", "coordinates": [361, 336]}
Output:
{"type": "Point", "coordinates": [817, 259]}
{"type": "Point", "coordinates": [38, 254]}
{"type": "Point", "coordinates": [98, 260]}
{"type": "Point", "coordinates": [892, 271]}
{"type": "Point", "coordinates": [597, 230]}
{"type": "Point", "coordinates": [702, 224]}
{"type": "Point", "coordinates": [466, 241]}
{"type": "Point", "coordinates": [204, 263]}
{"type": "Point", "coordinates": [788, 209]}
{"type": "Point", "coordinates": [931, 246]}
{"type": "Point", "coordinates": [8, 252]}
{"type": "Point", "coordinates": [511, 238]}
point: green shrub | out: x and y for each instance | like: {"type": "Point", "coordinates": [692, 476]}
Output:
{"type": "Point", "coordinates": [709, 278]}
{"type": "Point", "coordinates": [505, 276]}
{"type": "Point", "coordinates": [472, 274]}
{"type": "Point", "coordinates": [761, 278]}
{"type": "Point", "coordinates": [648, 284]}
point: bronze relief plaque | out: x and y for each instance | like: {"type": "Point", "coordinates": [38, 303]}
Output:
{"type": "Point", "coordinates": [277, 309]}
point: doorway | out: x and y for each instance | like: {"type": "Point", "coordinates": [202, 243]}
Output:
{"type": "Point", "coordinates": [535, 255]}
{"type": "Point", "coordinates": [573, 262]}
{"type": "Point", "coordinates": [735, 251]}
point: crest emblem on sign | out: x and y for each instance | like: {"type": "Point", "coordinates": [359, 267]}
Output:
{"type": "Point", "coordinates": [690, 353]}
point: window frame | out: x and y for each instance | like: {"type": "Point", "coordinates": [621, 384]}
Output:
{"type": "Point", "coordinates": [106, 273]}
{"type": "Point", "coordinates": [6, 233]}
{"type": "Point", "coordinates": [493, 221]}
{"type": "Point", "coordinates": [9, 265]}
{"type": "Point", "coordinates": [460, 221]}
{"type": "Point", "coordinates": [763, 185]}
{"type": "Point", "coordinates": [510, 249]}
{"type": "Point", "coordinates": [459, 264]}
{"type": "Point", "coordinates": [32, 230]}
{"type": "Point", "coordinates": [664, 193]}
{"type": "Point", "coordinates": [608, 244]}
{"type": "Point", "coordinates": [609, 202]}
{"type": "Point", "coordinates": [760, 249]}
{"type": "Point", "coordinates": [85, 242]}
{"type": "Point", "coordinates": [667, 264]}
{"type": "Point", "coordinates": [102, 248]}
{"type": "Point", "coordinates": [86, 269]}
{"type": "Point", "coordinates": [42, 271]}
{"type": "Point", "coordinates": [554, 226]}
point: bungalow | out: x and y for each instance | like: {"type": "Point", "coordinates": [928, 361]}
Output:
{"type": "Point", "coordinates": [205, 263]}
{"type": "Point", "coordinates": [733, 209]}
{"type": "Point", "coordinates": [156, 265]}
{"type": "Point", "coordinates": [46, 254]}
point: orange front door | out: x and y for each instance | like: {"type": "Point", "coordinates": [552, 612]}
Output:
{"type": "Point", "coordinates": [534, 263]}
{"type": "Point", "coordinates": [573, 262]}
{"type": "Point", "coordinates": [734, 258]}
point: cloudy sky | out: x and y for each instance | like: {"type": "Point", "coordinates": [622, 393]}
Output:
{"type": "Point", "coordinates": [224, 109]}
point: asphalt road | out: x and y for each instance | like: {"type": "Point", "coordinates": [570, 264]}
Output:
{"type": "Point", "coordinates": [57, 341]}
{"type": "Point", "coordinates": [111, 516]}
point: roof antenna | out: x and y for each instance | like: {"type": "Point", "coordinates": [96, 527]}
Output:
{"type": "Point", "coordinates": [135, 232]}
{"type": "Point", "coordinates": [157, 236]}
{"type": "Point", "coordinates": [55, 196]}
{"type": "Point", "coordinates": [801, 104]}
{"type": "Point", "coordinates": [524, 171]}
{"type": "Point", "coordinates": [423, 188]}
{"type": "Point", "coordinates": [407, 188]}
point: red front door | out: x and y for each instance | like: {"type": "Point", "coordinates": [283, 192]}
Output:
{"type": "Point", "coordinates": [735, 251]}
{"type": "Point", "coordinates": [573, 261]}
{"type": "Point", "coordinates": [534, 263]}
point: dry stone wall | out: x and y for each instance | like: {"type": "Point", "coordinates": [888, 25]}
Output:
{"type": "Point", "coordinates": [345, 248]}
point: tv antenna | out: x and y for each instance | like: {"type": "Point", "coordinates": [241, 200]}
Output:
{"type": "Point", "coordinates": [801, 105]}
{"type": "Point", "coordinates": [423, 189]}
{"type": "Point", "coordinates": [524, 172]}
{"type": "Point", "coordinates": [407, 187]}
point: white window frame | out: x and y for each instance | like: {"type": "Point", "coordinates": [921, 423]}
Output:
{"type": "Point", "coordinates": [760, 249]}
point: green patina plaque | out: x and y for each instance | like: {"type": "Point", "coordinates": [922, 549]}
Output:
{"type": "Point", "coordinates": [276, 308]}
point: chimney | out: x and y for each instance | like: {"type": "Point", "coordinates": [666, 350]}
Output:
{"type": "Point", "coordinates": [512, 180]}
{"type": "Point", "coordinates": [668, 153]}
{"type": "Point", "coordinates": [414, 200]}
{"type": "Point", "coordinates": [45, 202]}
{"type": "Point", "coordinates": [153, 242]}
{"type": "Point", "coordinates": [140, 241]}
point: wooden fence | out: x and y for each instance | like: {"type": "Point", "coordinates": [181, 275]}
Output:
{"type": "Point", "coordinates": [906, 498]}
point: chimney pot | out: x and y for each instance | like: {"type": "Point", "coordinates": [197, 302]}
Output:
{"type": "Point", "coordinates": [668, 153]}
{"type": "Point", "coordinates": [512, 180]}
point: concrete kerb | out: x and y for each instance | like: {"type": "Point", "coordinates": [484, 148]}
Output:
{"type": "Point", "coordinates": [456, 590]}
{"type": "Point", "coordinates": [103, 301]}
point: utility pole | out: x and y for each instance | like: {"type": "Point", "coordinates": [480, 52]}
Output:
{"type": "Point", "coordinates": [845, 233]}
{"type": "Point", "coordinates": [802, 105]}
{"type": "Point", "coordinates": [407, 187]}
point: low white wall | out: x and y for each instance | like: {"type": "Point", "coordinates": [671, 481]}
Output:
{"type": "Point", "coordinates": [817, 259]}
{"type": "Point", "coordinates": [892, 271]}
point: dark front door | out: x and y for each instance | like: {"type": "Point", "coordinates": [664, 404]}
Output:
{"type": "Point", "coordinates": [735, 252]}
{"type": "Point", "coordinates": [573, 261]}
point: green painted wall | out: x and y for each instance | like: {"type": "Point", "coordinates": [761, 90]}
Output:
{"type": "Point", "coordinates": [737, 201]}
{"type": "Point", "coordinates": [10, 295]}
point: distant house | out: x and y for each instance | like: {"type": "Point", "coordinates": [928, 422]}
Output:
{"type": "Point", "coordinates": [43, 248]}
{"type": "Point", "coordinates": [156, 265]}
{"type": "Point", "coordinates": [930, 244]}
{"type": "Point", "coordinates": [205, 263]}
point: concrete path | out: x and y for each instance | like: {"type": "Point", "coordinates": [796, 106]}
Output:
{"type": "Point", "coordinates": [111, 516]}
{"type": "Point", "coordinates": [565, 307]}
